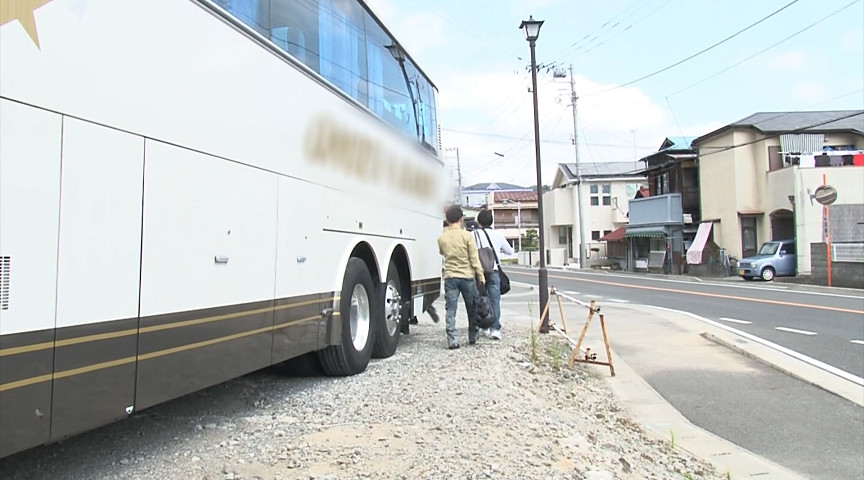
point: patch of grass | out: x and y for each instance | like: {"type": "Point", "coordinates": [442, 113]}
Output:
{"type": "Point", "coordinates": [534, 339]}
{"type": "Point", "coordinates": [556, 351]}
{"type": "Point", "coordinates": [670, 445]}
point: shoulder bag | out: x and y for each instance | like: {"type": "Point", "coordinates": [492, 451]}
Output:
{"type": "Point", "coordinates": [505, 280]}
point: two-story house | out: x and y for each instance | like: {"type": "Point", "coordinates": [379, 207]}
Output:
{"type": "Point", "coordinates": [479, 194]}
{"type": "Point", "coordinates": [663, 223]}
{"type": "Point", "coordinates": [514, 213]}
{"type": "Point", "coordinates": [606, 192]}
{"type": "Point", "coordinates": [757, 177]}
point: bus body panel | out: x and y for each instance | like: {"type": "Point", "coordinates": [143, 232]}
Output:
{"type": "Point", "coordinates": [209, 232]}
{"type": "Point", "coordinates": [30, 213]}
{"type": "Point", "coordinates": [98, 274]}
{"type": "Point", "coordinates": [29, 219]}
{"type": "Point", "coordinates": [100, 224]}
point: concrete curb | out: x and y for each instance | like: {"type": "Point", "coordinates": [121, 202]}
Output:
{"type": "Point", "coordinates": [660, 419]}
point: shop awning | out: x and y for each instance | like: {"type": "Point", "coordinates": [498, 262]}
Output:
{"type": "Point", "coordinates": [694, 253]}
{"type": "Point", "coordinates": [645, 232]}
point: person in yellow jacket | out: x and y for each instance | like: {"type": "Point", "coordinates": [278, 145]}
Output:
{"type": "Point", "coordinates": [461, 269]}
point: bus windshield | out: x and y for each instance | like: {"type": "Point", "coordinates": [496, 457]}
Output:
{"type": "Point", "coordinates": [346, 45]}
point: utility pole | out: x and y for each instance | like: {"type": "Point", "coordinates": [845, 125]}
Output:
{"type": "Point", "coordinates": [573, 98]}
{"type": "Point", "coordinates": [458, 172]}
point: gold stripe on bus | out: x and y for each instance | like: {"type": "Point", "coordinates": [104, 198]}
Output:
{"type": "Point", "coordinates": [132, 331]}
{"type": "Point", "coordinates": [26, 381]}
{"type": "Point", "coordinates": [70, 341]}
{"type": "Point", "coordinates": [161, 353]}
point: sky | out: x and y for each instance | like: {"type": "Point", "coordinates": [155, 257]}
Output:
{"type": "Point", "coordinates": [747, 57]}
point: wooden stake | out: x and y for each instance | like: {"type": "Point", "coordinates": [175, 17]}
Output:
{"type": "Point", "coordinates": [545, 309]}
{"type": "Point", "coordinates": [561, 309]}
{"type": "Point", "coordinates": [606, 341]}
{"type": "Point", "coordinates": [585, 328]}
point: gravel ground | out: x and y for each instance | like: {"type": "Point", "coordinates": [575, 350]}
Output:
{"type": "Point", "coordinates": [505, 409]}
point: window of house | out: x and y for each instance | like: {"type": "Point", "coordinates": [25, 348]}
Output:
{"type": "Point", "coordinates": [661, 184]}
{"type": "Point", "coordinates": [606, 232]}
{"type": "Point", "coordinates": [601, 194]}
{"type": "Point", "coordinates": [595, 234]}
{"type": "Point", "coordinates": [562, 236]}
{"type": "Point", "coordinates": [748, 236]}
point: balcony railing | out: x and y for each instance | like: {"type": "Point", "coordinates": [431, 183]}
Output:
{"type": "Point", "coordinates": [657, 210]}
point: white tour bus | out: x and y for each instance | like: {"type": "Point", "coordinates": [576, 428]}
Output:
{"type": "Point", "coordinates": [191, 190]}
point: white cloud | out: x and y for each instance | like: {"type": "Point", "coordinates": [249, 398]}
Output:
{"type": "Point", "coordinates": [790, 61]}
{"type": "Point", "coordinates": [483, 113]}
{"type": "Point", "coordinates": [853, 42]}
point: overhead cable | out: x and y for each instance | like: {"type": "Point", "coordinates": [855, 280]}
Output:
{"type": "Point", "coordinates": [631, 82]}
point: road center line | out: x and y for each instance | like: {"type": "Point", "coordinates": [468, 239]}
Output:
{"type": "Point", "coordinates": [859, 342]}
{"type": "Point", "coordinates": [705, 294]}
{"type": "Point", "coordinates": [794, 330]}
{"type": "Point", "coordinates": [732, 320]}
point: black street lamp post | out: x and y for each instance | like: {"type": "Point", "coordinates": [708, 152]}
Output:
{"type": "Point", "coordinates": [532, 31]}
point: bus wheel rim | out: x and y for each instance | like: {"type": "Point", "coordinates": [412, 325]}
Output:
{"type": "Point", "coordinates": [360, 319]}
{"type": "Point", "coordinates": [392, 308]}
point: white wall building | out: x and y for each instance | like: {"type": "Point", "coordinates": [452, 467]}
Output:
{"type": "Point", "coordinates": [606, 191]}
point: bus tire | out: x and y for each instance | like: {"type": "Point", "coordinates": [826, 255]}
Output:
{"type": "Point", "coordinates": [356, 310]}
{"type": "Point", "coordinates": [389, 316]}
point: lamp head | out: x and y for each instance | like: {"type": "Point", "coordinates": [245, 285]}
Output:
{"type": "Point", "coordinates": [531, 27]}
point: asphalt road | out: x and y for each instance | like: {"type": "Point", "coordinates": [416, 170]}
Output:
{"type": "Point", "coordinates": [790, 422]}
{"type": "Point", "coordinates": [826, 325]}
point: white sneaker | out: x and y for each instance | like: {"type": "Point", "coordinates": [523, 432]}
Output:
{"type": "Point", "coordinates": [485, 332]}
{"type": "Point", "coordinates": [495, 335]}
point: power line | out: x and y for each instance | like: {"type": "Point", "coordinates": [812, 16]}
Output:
{"type": "Point", "coordinates": [764, 50]}
{"type": "Point", "coordinates": [631, 82]}
{"type": "Point", "coordinates": [597, 32]}
{"type": "Point", "coordinates": [628, 27]}
{"type": "Point", "coordinates": [556, 142]}
{"type": "Point", "coordinates": [468, 31]}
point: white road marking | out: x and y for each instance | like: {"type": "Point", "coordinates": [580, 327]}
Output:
{"type": "Point", "coordinates": [571, 292]}
{"type": "Point", "coordinates": [859, 342]}
{"type": "Point", "coordinates": [732, 320]}
{"type": "Point", "coordinates": [793, 330]}
{"type": "Point", "coordinates": [792, 353]}
{"type": "Point", "coordinates": [617, 300]}
{"type": "Point", "coordinates": [727, 283]}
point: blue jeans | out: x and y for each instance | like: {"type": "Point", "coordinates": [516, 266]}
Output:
{"type": "Point", "coordinates": [493, 289]}
{"type": "Point", "coordinates": [452, 288]}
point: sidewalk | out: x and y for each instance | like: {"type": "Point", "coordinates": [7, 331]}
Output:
{"type": "Point", "coordinates": [645, 404]}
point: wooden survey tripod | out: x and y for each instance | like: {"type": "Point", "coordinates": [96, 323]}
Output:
{"type": "Point", "coordinates": [580, 356]}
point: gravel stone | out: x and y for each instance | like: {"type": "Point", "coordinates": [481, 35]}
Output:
{"type": "Point", "coordinates": [495, 410]}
